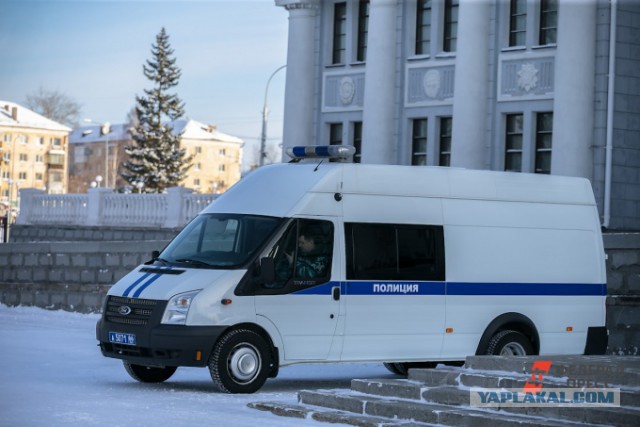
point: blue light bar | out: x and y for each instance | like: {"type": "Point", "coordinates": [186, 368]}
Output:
{"type": "Point", "coordinates": [321, 151]}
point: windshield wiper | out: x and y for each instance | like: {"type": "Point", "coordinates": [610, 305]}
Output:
{"type": "Point", "coordinates": [195, 262]}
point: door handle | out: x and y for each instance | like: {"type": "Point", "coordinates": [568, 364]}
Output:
{"type": "Point", "coordinates": [335, 291]}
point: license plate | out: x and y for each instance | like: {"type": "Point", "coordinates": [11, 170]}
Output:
{"type": "Point", "coordinates": [122, 338]}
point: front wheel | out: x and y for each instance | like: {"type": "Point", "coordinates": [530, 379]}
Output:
{"type": "Point", "coordinates": [149, 374]}
{"type": "Point", "coordinates": [509, 343]}
{"type": "Point", "coordinates": [240, 362]}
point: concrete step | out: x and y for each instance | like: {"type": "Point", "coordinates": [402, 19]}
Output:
{"type": "Point", "coordinates": [582, 371]}
{"type": "Point", "coordinates": [629, 397]}
{"type": "Point", "coordinates": [421, 412]}
{"type": "Point", "coordinates": [622, 416]}
{"type": "Point", "coordinates": [333, 417]}
{"type": "Point", "coordinates": [454, 396]}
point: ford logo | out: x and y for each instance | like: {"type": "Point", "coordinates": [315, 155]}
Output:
{"type": "Point", "coordinates": [124, 310]}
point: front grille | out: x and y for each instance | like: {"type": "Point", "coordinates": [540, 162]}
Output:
{"type": "Point", "coordinates": [141, 310]}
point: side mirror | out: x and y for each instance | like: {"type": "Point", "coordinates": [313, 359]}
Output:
{"type": "Point", "coordinates": [267, 270]}
{"type": "Point", "coordinates": [155, 254]}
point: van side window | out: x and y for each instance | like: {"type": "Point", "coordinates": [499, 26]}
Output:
{"type": "Point", "coordinates": [394, 252]}
{"type": "Point", "coordinates": [302, 256]}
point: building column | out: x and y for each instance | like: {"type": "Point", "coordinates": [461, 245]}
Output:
{"type": "Point", "coordinates": [468, 140]}
{"type": "Point", "coordinates": [379, 138]}
{"type": "Point", "coordinates": [573, 105]}
{"type": "Point", "coordinates": [298, 97]}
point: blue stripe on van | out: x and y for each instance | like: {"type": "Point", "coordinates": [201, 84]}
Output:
{"type": "Point", "coordinates": [134, 284]}
{"type": "Point", "coordinates": [145, 285]}
{"type": "Point", "coordinates": [456, 288]}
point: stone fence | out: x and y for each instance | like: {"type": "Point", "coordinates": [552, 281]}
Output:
{"type": "Point", "coordinates": [103, 207]}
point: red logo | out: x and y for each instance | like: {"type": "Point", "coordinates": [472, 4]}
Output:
{"type": "Point", "coordinates": [539, 369]}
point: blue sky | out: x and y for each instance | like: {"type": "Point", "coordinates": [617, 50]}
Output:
{"type": "Point", "coordinates": [93, 51]}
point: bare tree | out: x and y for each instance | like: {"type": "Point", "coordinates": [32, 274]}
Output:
{"type": "Point", "coordinates": [54, 105]}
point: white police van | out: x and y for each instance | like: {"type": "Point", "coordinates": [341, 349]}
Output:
{"type": "Point", "coordinates": [420, 265]}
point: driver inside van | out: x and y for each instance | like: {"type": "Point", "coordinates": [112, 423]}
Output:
{"type": "Point", "coordinates": [312, 260]}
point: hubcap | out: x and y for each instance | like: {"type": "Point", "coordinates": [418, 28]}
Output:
{"type": "Point", "coordinates": [244, 363]}
{"type": "Point", "coordinates": [513, 349]}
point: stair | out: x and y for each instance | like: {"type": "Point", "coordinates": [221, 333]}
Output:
{"type": "Point", "coordinates": [441, 396]}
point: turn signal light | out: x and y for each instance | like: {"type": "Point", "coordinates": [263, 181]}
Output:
{"type": "Point", "coordinates": [226, 301]}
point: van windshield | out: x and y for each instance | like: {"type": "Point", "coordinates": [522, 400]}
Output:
{"type": "Point", "coordinates": [219, 240]}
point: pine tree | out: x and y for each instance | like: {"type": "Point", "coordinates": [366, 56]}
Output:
{"type": "Point", "coordinates": [155, 158]}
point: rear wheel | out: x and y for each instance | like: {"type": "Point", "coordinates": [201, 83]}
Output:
{"type": "Point", "coordinates": [149, 374]}
{"type": "Point", "coordinates": [509, 343]}
{"type": "Point", "coordinates": [240, 362]}
{"type": "Point", "coordinates": [403, 368]}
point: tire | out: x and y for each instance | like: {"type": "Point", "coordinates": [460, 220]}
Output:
{"type": "Point", "coordinates": [403, 368]}
{"type": "Point", "coordinates": [149, 374]}
{"type": "Point", "coordinates": [509, 343]}
{"type": "Point", "coordinates": [392, 368]}
{"type": "Point", "coordinates": [241, 362]}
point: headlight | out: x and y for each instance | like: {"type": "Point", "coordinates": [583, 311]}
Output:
{"type": "Point", "coordinates": [178, 308]}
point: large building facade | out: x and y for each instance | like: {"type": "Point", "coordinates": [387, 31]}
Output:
{"type": "Point", "coordinates": [538, 86]}
{"type": "Point", "coordinates": [33, 154]}
{"type": "Point", "coordinates": [217, 157]}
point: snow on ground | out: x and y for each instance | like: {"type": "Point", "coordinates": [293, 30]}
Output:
{"type": "Point", "coordinates": [53, 374]}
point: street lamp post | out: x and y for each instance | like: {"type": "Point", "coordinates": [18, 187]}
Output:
{"type": "Point", "coordinates": [265, 114]}
{"type": "Point", "coordinates": [105, 129]}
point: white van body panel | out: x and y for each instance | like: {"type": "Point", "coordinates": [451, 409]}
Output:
{"type": "Point", "coordinates": [513, 243]}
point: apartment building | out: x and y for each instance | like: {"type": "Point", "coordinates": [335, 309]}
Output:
{"type": "Point", "coordinates": [537, 86]}
{"type": "Point", "coordinates": [33, 153]}
{"type": "Point", "coordinates": [216, 163]}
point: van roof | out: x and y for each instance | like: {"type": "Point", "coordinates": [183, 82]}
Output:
{"type": "Point", "coordinates": [277, 190]}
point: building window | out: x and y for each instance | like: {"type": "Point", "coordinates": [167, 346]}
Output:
{"type": "Point", "coordinates": [518, 23]}
{"type": "Point", "coordinates": [22, 176]}
{"type": "Point", "coordinates": [221, 168]}
{"type": "Point", "coordinates": [423, 27]}
{"type": "Point", "coordinates": [544, 134]}
{"type": "Point", "coordinates": [196, 182]}
{"type": "Point", "coordinates": [446, 125]}
{"type": "Point", "coordinates": [7, 137]}
{"type": "Point", "coordinates": [513, 143]}
{"type": "Point", "coordinates": [23, 139]}
{"type": "Point", "coordinates": [24, 157]}
{"type": "Point", "coordinates": [363, 30]}
{"type": "Point", "coordinates": [39, 176]}
{"type": "Point", "coordinates": [450, 26]}
{"type": "Point", "coordinates": [419, 142]}
{"type": "Point", "coordinates": [6, 157]}
{"type": "Point", "coordinates": [335, 134]}
{"type": "Point", "coordinates": [56, 141]}
{"type": "Point", "coordinates": [548, 21]}
{"type": "Point", "coordinates": [39, 140]}
{"type": "Point", "coordinates": [339, 33]}
{"type": "Point", "coordinates": [39, 158]}
{"type": "Point", "coordinates": [198, 150]}
{"type": "Point", "coordinates": [357, 141]}
{"type": "Point", "coordinates": [222, 152]}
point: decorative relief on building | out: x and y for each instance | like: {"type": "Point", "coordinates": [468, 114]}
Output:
{"type": "Point", "coordinates": [347, 90]}
{"type": "Point", "coordinates": [343, 91]}
{"type": "Point", "coordinates": [430, 85]}
{"type": "Point", "coordinates": [526, 78]}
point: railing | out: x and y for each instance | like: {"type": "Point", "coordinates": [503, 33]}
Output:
{"type": "Point", "coordinates": [102, 207]}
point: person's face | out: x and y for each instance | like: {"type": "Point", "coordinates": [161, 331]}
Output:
{"type": "Point", "coordinates": [305, 244]}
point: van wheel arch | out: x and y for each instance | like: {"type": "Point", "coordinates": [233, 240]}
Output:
{"type": "Point", "coordinates": [510, 321]}
{"type": "Point", "coordinates": [275, 353]}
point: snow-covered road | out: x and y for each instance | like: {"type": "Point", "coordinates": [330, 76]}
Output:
{"type": "Point", "coordinates": [52, 374]}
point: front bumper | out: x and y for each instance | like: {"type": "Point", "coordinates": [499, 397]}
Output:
{"type": "Point", "coordinates": [156, 344]}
